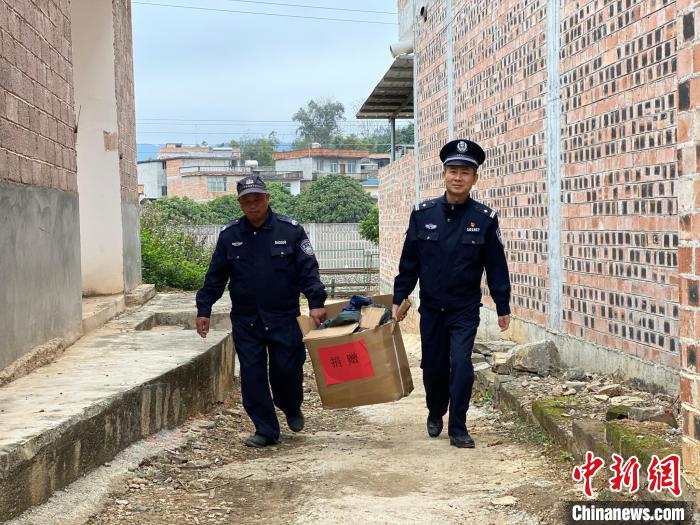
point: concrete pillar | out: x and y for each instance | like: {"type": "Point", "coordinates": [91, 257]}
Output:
{"type": "Point", "coordinates": [416, 109]}
{"type": "Point", "coordinates": [688, 104]}
{"type": "Point", "coordinates": [99, 185]}
{"type": "Point", "coordinates": [449, 13]}
{"type": "Point", "coordinates": [554, 164]}
{"type": "Point", "coordinates": [392, 125]}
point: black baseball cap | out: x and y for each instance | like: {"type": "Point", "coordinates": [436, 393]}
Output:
{"type": "Point", "coordinates": [462, 152]}
{"type": "Point", "coordinates": [252, 184]}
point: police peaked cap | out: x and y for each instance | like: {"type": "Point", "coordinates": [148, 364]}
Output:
{"type": "Point", "coordinates": [462, 152]}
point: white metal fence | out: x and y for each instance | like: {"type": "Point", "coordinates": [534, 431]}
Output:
{"type": "Point", "coordinates": [337, 246]}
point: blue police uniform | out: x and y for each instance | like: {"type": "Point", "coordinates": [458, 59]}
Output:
{"type": "Point", "coordinates": [447, 248]}
{"type": "Point", "coordinates": [266, 269]}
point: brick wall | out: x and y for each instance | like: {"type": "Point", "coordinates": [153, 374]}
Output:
{"type": "Point", "coordinates": [124, 76]}
{"type": "Point", "coordinates": [619, 175]}
{"type": "Point", "coordinates": [396, 200]}
{"type": "Point", "coordinates": [37, 142]}
{"type": "Point", "coordinates": [499, 102]}
{"type": "Point", "coordinates": [620, 207]}
{"type": "Point", "coordinates": [688, 74]}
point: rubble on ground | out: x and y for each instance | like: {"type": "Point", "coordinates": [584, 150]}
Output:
{"type": "Point", "coordinates": [536, 369]}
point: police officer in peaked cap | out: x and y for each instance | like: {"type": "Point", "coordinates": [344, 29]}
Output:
{"type": "Point", "coordinates": [449, 242]}
{"type": "Point", "coordinates": [267, 260]}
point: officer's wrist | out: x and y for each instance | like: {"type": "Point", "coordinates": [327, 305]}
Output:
{"type": "Point", "coordinates": [503, 311]}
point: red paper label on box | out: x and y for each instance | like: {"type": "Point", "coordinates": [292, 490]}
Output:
{"type": "Point", "coordinates": [347, 362]}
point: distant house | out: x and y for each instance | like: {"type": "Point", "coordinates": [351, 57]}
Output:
{"type": "Point", "coordinates": [203, 173]}
{"type": "Point", "coordinates": [152, 179]}
{"type": "Point", "coordinates": [316, 162]}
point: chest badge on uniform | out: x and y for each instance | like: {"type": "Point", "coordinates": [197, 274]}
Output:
{"type": "Point", "coordinates": [431, 226]}
{"type": "Point", "coordinates": [306, 247]}
{"type": "Point", "coordinates": [236, 244]}
{"type": "Point", "coordinates": [277, 243]}
{"type": "Point", "coordinates": [473, 228]}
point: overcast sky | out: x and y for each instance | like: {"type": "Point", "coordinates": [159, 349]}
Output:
{"type": "Point", "coordinates": [197, 65]}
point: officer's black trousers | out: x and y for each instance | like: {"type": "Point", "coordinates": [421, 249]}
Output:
{"type": "Point", "coordinates": [283, 343]}
{"type": "Point", "coordinates": [447, 340]}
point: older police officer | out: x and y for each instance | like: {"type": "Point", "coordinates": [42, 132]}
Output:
{"type": "Point", "coordinates": [267, 260]}
{"type": "Point", "coordinates": [449, 243]}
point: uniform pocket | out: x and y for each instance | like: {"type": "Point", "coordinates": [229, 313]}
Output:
{"type": "Point", "coordinates": [427, 246]}
{"type": "Point", "coordinates": [428, 235]}
{"type": "Point", "coordinates": [470, 239]}
{"type": "Point", "coordinates": [472, 248]}
{"type": "Point", "coordinates": [281, 257]}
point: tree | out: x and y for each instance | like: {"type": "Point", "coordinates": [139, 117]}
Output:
{"type": "Point", "coordinates": [260, 149]}
{"type": "Point", "coordinates": [281, 199]}
{"type": "Point", "coordinates": [223, 210]}
{"type": "Point", "coordinates": [334, 198]}
{"type": "Point", "coordinates": [406, 135]}
{"type": "Point", "coordinates": [349, 141]}
{"type": "Point", "coordinates": [369, 228]}
{"type": "Point", "coordinates": [170, 257]}
{"type": "Point", "coordinates": [180, 210]}
{"type": "Point", "coordinates": [318, 122]}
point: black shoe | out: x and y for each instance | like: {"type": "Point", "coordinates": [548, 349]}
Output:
{"type": "Point", "coordinates": [259, 441]}
{"type": "Point", "coordinates": [434, 426]}
{"type": "Point", "coordinates": [296, 422]}
{"type": "Point", "coordinates": [462, 441]}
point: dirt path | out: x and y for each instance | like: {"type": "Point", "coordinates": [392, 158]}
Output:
{"type": "Point", "coordinates": [368, 465]}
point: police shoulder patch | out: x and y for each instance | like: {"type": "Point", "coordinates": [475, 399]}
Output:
{"type": "Point", "coordinates": [288, 220]}
{"type": "Point", "coordinates": [484, 210]}
{"type": "Point", "coordinates": [426, 205]}
{"type": "Point", "coordinates": [233, 223]}
{"type": "Point", "coordinates": [306, 247]}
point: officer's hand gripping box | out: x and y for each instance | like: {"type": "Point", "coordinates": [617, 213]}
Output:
{"type": "Point", "coordinates": [363, 368]}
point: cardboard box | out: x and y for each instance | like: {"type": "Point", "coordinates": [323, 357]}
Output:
{"type": "Point", "coordinates": [364, 368]}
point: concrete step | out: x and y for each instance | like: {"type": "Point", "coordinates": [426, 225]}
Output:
{"type": "Point", "coordinates": [108, 390]}
{"type": "Point", "coordinates": [99, 310]}
{"type": "Point", "coordinates": [140, 295]}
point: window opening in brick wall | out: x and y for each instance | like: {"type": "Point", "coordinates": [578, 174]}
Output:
{"type": "Point", "coordinates": [216, 184]}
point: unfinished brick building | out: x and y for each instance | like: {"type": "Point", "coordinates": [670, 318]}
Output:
{"type": "Point", "coordinates": [588, 112]}
{"type": "Point", "coordinates": [68, 190]}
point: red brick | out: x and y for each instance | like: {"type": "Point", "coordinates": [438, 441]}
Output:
{"type": "Point", "coordinates": [685, 259]}
{"type": "Point", "coordinates": [689, 325]}
{"type": "Point", "coordinates": [686, 387]}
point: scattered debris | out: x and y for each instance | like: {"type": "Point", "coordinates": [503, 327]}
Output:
{"type": "Point", "coordinates": [541, 358]}
{"type": "Point", "coordinates": [611, 390]}
{"type": "Point", "coordinates": [504, 501]}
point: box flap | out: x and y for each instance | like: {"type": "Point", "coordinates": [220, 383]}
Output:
{"type": "Point", "coordinates": [306, 324]}
{"type": "Point", "coordinates": [333, 309]}
{"type": "Point", "coordinates": [386, 300]}
{"type": "Point", "coordinates": [403, 308]}
{"type": "Point", "coordinates": [370, 317]}
{"type": "Point", "coordinates": [326, 333]}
